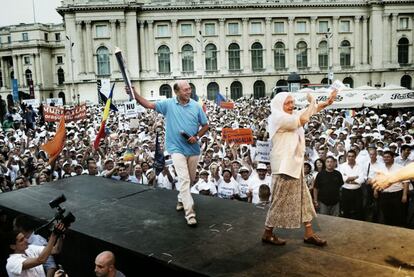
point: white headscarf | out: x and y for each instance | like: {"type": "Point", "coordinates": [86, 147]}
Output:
{"type": "Point", "coordinates": [277, 112]}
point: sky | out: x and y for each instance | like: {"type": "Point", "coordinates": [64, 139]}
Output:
{"type": "Point", "coordinates": [13, 12]}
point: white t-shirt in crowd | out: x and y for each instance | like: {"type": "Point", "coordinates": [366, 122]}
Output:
{"type": "Point", "coordinates": [203, 185]}
{"type": "Point", "coordinates": [243, 187]}
{"type": "Point", "coordinates": [227, 190]}
{"type": "Point", "coordinates": [163, 182]}
{"type": "Point", "coordinates": [254, 185]}
{"type": "Point", "coordinates": [14, 264]}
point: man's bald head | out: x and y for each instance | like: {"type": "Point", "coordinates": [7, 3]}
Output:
{"type": "Point", "coordinates": [105, 264]}
{"type": "Point", "coordinates": [180, 84]}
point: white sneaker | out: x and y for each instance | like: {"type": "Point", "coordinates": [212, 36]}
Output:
{"type": "Point", "coordinates": [179, 206]}
{"type": "Point", "coordinates": [192, 222]}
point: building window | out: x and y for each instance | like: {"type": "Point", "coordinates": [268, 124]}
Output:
{"type": "Point", "coordinates": [164, 59]}
{"type": "Point", "coordinates": [257, 56]}
{"type": "Point", "coordinates": [345, 26]}
{"type": "Point", "coordinates": [28, 76]}
{"type": "Point", "coordinates": [210, 29]}
{"type": "Point", "coordinates": [403, 51]}
{"type": "Point", "coordinates": [233, 28]}
{"type": "Point", "coordinates": [193, 89]}
{"type": "Point", "coordinates": [345, 53]}
{"type": "Point", "coordinates": [256, 28]}
{"type": "Point", "coordinates": [323, 26]}
{"type": "Point", "coordinates": [259, 90]}
{"type": "Point", "coordinates": [102, 31]}
{"type": "Point", "coordinates": [234, 56]}
{"type": "Point", "coordinates": [186, 29]}
{"type": "Point", "coordinates": [323, 55]}
{"type": "Point", "coordinates": [404, 23]}
{"type": "Point", "coordinates": [57, 36]}
{"type": "Point", "coordinates": [165, 90]}
{"type": "Point", "coordinates": [25, 36]}
{"type": "Point", "coordinates": [187, 54]}
{"type": "Point", "coordinates": [59, 59]}
{"type": "Point", "coordinates": [236, 90]}
{"type": "Point", "coordinates": [46, 37]}
{"type": "Point", "coordinates": [302, 55]}
{"type": "Point", "coordinates": [348, 81]}
{"type": "Point", "coordinates": [406, 81]}
{"type": "Point", "coordinates": [26, 60]}
{"type": "Point", "coordinates": [102, 58]}
{"type": "Point", "coordinates": [163, 30]}
{"type": "Point", "coordinates": [61, 76]}
{"type": "Point", "coordinates": [211, 57]}
{"type": "Point", "coordinates": [301, 27]}
{"type": "Point", "coordinates": [212, 90]}
{"type": "Point", "coordinates": [279, 56]}
{"type": "Point", "coordinates": [279, 27]}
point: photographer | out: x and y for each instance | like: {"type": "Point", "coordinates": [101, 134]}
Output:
{"type": "Point", "coordinates": [27, 260]}
{"type": "Point", "coordinates": [24, 225]}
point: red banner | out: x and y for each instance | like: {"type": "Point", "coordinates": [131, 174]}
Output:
{"type": "Point", "coordinates": [227, 105]}
{"type": "Point", "coordinates": [53, 113]}
{"type": "Point", "coordinates": [238, 136]}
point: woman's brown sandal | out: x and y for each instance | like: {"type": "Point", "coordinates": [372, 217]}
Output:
{"type": "Point", "coordinates": [273, 240]}
{"type": "Point", "coordinates": [315, 240]}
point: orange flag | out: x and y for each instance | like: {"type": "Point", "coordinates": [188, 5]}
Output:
{"type": "Point", "coordinates": [54, 146]}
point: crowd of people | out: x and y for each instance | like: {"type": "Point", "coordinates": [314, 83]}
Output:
{"type": "Point", "coordinates": [344, 150]}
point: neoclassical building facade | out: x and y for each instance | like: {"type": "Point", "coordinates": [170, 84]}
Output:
{"type": "Point", "coordinates": [239, 48]}
{"type": "Point", "coordinates": [33, 54]}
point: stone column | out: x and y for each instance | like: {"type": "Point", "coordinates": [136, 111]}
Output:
{"type": "Point", "coordinates": [79, 49]}
{"type": "Point", "coordinates": [20, 71]}
{"type": "Point", "coordinates": [89, 51]}
{"type": "Point", "coordinates": [314, 55]}
{"type": "Point", "coordinates": [3, 73]}
{"type": "Point", "coordinates": [175, 64]}
{"type": "Point", "coordinates": [199, 61]}
{"type": "Point", "coordinates": [365, 41]}
{"type": "Point", "coordinates": [15, 68]}
{"type": "Point", "coordinates": [268, 45]}
{"type": "Point", "coordinates": [41, 68]}
{"type": "Point", "coordinates": [122, 38]}
{"type": "Point", "coordinates": [34, 68]}
{"type": "Point", "coordinates": [151, 50]}
{"type": "Point", "coordinates": [386, 40]}
{"type": "Point", "coordinates": [393, 44]}
{"type": "Point", "coordinates": [114, 44]}
{"type": "Point", "coordinates": [357, 41]}
{"type": "Point", "coordinates": [291, 45]}
{"type": "Point", "coordinates": [38, 70]}
{"type": "Point", "coordinates": [143, 46]}
{"type": "Point", "coordinates": [222, 62]}
{"type": "Point", "coordinates": [335, 44]}
{"type": "Point", "coordinates": [131, 29]}
{"type": "Point", "coordinates": [246, 48]}
{"type": "Point", "coordinates": [376, 39]}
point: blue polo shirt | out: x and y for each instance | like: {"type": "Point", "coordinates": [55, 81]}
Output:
{"type": "Point", "coordinates": [178, 117]}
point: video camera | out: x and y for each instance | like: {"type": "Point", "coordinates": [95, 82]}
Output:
{"type": "Point", "coordinates": [61, 216]}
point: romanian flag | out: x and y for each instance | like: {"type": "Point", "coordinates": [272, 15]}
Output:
{"type": "Point", "coordinates": [219, 98]}
{"type": "Point", "coordinates": [54, 146]}
{"type": "Point", "coordinates": [101, 133]}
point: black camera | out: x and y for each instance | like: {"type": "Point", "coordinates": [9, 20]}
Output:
{"type": "Point", "coordinates": [66, 218]}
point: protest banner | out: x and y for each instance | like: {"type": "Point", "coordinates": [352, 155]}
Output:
{"type": "Point", "coordinates": [237, 136]}
{"type": "Point", "coordinates": [262, 151]}
{"type": "Point", "coordinates": [53, 113]}
{"type": "Point", "coordinates": [31, 102]}
{"type": "Point", "coordinates": [227, 105]}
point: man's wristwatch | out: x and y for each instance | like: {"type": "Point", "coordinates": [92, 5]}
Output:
{"type": "Point", "coordinates": [197, 137]}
